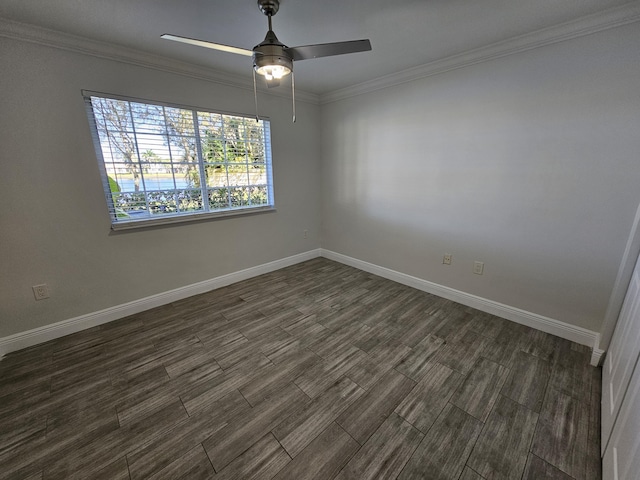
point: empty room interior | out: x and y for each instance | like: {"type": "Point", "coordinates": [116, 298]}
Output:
{"type": "Point", "coordinates": [398, 240]}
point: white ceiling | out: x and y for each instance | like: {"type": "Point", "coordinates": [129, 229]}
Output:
{"type": "Point", "coordinates": [403, 33]}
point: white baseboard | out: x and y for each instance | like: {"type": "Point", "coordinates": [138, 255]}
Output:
{"type": "Point", "coordinates": [39, 335]}
{"type": "Point", "coordinates": [533, 320]}
{"type": "Point", "coordinates": [597, 355]}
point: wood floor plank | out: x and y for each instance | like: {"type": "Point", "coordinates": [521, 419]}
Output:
{"type": "Point", "coordinates": [273, 378]}
{"type": "Point", "coordinates": [421, 358]}
{"type": "Point", "coordinates": [230, 358]}
{"type": "Point", "coordinates": [487, 324]}
{"type": "Point", "coordinates": [425, 323]}
{"type": "Point", "coordinates": [457, 323]}
{"type": "Point", "coordinates": [571, 374]}
{"type": "Point", "coordinates": [562, 433]}
{"type": "Point", "coordinates": [502, 448]}
{"type": "Point", "coordinates": [379, 361]}
{"type": "Point", "coordinates": [366, 414]}
{"type": "Point", "coordinates": [538, 469]}
{"type": "Point", "coordinates": [193, 465]}
{"type": "Point", "coordinates": [323, 458]}
{"type": "Point", "coordinates": [16, 434]}
{"type": "Point", "coordinates": [468, 474]}
{"type": "Point", "coordinates": [142, 409]}
{"type": "Point", "coordinates": [305, 327]}
{"type": "Point", "coordinates": [505, 346]}
{"type": "Point", "coordinates": [35, 476]}
{"type": "Point", "coordinates": [155, 455]}
{"type": "Point", "coordinates": [34, 398]}
{"type": "Point", "coordinates": [479, 390]}
{"type": "Point", "coordinates": [422, 406]}
{"type": "Point", "coordinates": [128, 392]}
{"type": "Point", "coordinates": [594, 464]}
{"type": "Point", "coordinates": [299, 429]}
{"type": "Point", "coordinates": [527, 382]}
{"type": "Point", "coordinates": [262, 461]}
{"type": "Point", "coordinates": [462, 356]}
{"type": "Point", "coordinates": [319, 377]}
{"type": "Point", "coordinates": [90, 457]}
{"type": "Point", "coordinates": [339, 340]}
{"type": "Point", "coordinates": [445, 448]}
{"type": "Point", "coordinates": [385, 454]}
{"type": "Point", "coordinates": [29, 457]}
{"type": "Point", "coordinates": [68, 421]}
{"type": "Point", "coordinates": [227, 443]}
{"type": "Point", "coordinates": [190, 362]}
{"type": "Point", "coordinates": [378, 335]}
{"type": "Point", "coordinates": [117, 470]}
{"type": "Point", "coordinates": [544, 345]}
{"type": "Point", "coordinates": [204, 395]}
{"type": "Point", "coordinates": [219, 335]}
{"type": "Point", "coordinates": [13, 381]}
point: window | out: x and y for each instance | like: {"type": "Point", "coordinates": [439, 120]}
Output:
{"type": "Point", "coordinates": [164, 163]}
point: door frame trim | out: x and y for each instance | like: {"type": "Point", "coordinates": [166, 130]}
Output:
{"type": "Point", "coordinates": [625, 270]}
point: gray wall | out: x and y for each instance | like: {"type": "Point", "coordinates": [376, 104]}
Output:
{"type": "Point", "coordinates": [54, 226]}
{"type": "Point", "coordinates": [529, 163]}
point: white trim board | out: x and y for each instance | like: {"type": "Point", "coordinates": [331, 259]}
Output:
{"type": "Point", "coordinates": [549, 325]}
{"type": "Point", "coordinates": [39, 335]}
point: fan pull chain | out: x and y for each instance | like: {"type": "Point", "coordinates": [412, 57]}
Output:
{"type": "Point", "coordinates": [255, 94]}
{"type": "Point", "coordinates": [293, 96]}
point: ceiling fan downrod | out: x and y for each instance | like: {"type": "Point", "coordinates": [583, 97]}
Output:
{"type": "Point", "coordinates": [269, 57]}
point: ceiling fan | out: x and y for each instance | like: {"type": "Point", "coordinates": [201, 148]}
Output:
{"type": "Point", "coordinates": [274, 60]}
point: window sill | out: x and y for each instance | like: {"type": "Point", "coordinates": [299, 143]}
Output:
{"type": "Point", "coordinates": [196, 217]}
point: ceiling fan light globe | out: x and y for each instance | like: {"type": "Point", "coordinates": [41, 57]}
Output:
{"type": "Point", "coordinates": [274, 66]}
{"type": "Point", "coordinates": [273, 71]}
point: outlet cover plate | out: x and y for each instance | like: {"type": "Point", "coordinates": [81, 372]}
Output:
{"type": "Point", "coordinates": [478, 268]}
{"type": "Point", "coordinates": [40, 292]}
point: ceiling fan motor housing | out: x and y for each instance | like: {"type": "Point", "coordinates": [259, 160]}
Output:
{"type": "Point", "coordinates": [267, 56]}
{"type": "Point", "coordinates": [271, 53]}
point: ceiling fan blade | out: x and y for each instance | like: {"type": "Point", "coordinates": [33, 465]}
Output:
{"type": "Point", "coordinates": [328, 49]}
{"type": "Point", "coordinates": [203, 43]}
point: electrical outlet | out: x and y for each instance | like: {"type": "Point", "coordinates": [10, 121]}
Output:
{"type": "Point", "coordinates": [41, 291]}
{"type": "Point", "coordinates": [305, 234]}
{"type": "Point", "coordinates": [446, 259]}
{"type": "Point", "coordinates": [478, 268]}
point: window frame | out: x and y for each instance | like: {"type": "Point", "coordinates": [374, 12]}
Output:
{"type": "Point", "coordinates": [149, 219]}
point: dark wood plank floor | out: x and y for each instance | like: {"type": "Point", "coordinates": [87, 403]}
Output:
{"type": "Point", "coordinates": [316, 371]}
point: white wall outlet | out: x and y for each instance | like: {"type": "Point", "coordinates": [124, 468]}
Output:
{"type": "Point", "coordinates": [478, 268]}
{"type": "Point", "coordinates": [305, 234]}
{"type": "Point", "coordinates": [446, 259]}
{"type": "Point", "coordinates": [41, 291]}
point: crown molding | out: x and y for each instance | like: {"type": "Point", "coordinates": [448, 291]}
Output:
{"type": "Point", "coordinates": [86, 46]}
{"type": "Point", "coordinates": [610, 18]}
